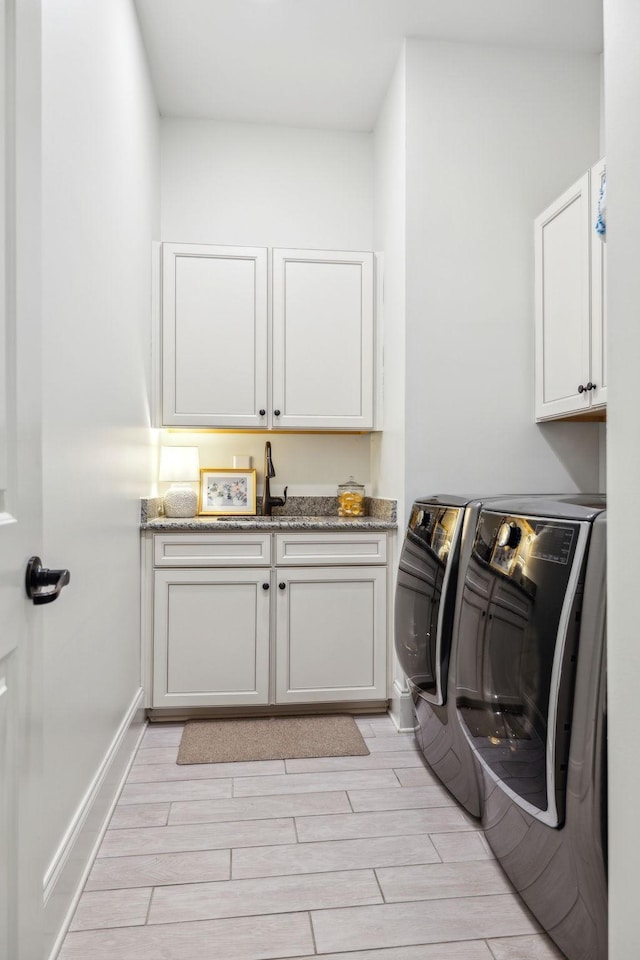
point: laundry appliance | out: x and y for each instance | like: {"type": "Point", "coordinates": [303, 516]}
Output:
{"type": "Point", "coordinates": [425, 610]}
{"type": "Point", "coordinates": [531, 700]}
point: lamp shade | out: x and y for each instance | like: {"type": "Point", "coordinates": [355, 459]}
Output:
{"type": "Point", "coordinates": [179, 464]}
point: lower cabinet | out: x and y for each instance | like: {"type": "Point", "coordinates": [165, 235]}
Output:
{"type": "Point", "coordinates": [227, 633]}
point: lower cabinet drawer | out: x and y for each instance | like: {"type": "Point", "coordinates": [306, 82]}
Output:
{"type": "Point", "coordinates": [316, 549]}
{"type": "Point", "coordinates": [251, 549]}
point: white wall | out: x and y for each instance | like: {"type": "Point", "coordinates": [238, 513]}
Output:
{"type": "Point", "coordinates": [272, 186]}
{"type": "Point", "coordinates": [388, 447]}
{"type": "Point", "coordinates": [308, 465]}
{"type": "Point", "coordinates": [389, 236]}
{"type": "Point", "coordinates": [100, 213]}
{"type": "Point", "coordinates": [493, 135]}
{"type": "Point", "coordinates": [261, 185]}
{"type": "Point", "coordinates": [622, 92]}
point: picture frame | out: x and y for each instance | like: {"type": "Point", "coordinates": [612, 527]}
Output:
{"type": "Point", "coordinates": [226, 492]}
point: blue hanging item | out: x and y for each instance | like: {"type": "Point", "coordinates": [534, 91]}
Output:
{"type": "Point", "coordinates": [601, 221]}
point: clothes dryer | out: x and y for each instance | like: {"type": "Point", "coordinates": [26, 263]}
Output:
{"type": "Point", "coordinates": [425, 606]}
{"type": "Point", "coordinates": [531, 701]}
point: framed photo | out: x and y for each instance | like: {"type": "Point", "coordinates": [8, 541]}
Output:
{"type": "Point", "coordinates": [227, 493]}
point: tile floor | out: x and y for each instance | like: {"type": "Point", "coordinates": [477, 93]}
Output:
{"type": "Point", "coordinates": [344, 858]}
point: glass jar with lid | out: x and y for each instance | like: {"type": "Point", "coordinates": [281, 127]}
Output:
{"type": "Point", "coordinates": [350, 499]}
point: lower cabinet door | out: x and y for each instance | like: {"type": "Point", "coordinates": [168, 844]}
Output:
{"type": "Point", "coordinates": [331, 627]}
{"type": "Point", "coordinates": [211, 637]}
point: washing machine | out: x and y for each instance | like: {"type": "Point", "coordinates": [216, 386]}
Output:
{"type": "Point", "coordinates": [425, 609]}
{"type": "Point", "coordinates": [530, 696]}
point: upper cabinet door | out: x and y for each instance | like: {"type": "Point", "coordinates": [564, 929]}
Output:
{"type": "Point", "coordinates": [598, 294]}
{"type": "Point", "coordinates": [323, 340]}
{"type": "Point", "coordinates": [563, 304]}
{"type": "Point", "coordinates": [214, 336]}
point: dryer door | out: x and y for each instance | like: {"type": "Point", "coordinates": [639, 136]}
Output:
{"type": "Point", "coordinates": [517, 642]}
{"type": "Point", "coordinates": [425, 598]}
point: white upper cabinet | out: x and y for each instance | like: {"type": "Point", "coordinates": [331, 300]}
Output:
{"type": "Point", "coordinates": [598, 295]}
{"type": "Point", "coordinates": [224, 365]}
{"type": "Point", "coordinates": [214, 336]}
{"type": "Point", "coordinates": [323, 339]}
{"type": "Point", "coordinates": [569, 304]}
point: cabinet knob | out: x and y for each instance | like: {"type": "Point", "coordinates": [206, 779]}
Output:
{"type": "Point", "coordinates": [591, 386]}
{"type": "Point", "coordinates": [265, 586]}
{"type": "Point", "coordinates": [281, 585]}
{"type": "Point", "coordinates": [581, 388]}
{"type": "Point", "coordinates": [276, 413]}
{"type": "Point", "coordinates": [262, 412]}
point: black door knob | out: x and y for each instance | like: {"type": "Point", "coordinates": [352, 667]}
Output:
{"type": "Point", "coordinates": [262, 412]}
{"type": "Point", "coordinates": [265, 586]}
{"type": "Point", "coordinates": [42, 585]}
{"type": "Point", "coordinates": [276, 413]}
{"type": "Point", "coordinates": [281, 585]}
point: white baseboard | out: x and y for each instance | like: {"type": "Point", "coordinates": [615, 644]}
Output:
{"type": "Point", "coordinates": [401, 709]}
{"type": "Point", "coordinates": [67, 873]}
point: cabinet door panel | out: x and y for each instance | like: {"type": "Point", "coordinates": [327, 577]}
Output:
{"type": "Point", "coordinates": [323, 339]}
{"type": "Point", "coordinates": [331, 634]}
{"type": "Point", "coordinates": [214, 335]}
{"type": "Point", "coordinates": [211, 637]}
{"type": "Point", "coordinates": [563, 303]}
{"type": "Point", "coordinates": [598, 296]}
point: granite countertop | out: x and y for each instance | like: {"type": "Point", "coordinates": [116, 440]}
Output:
{"type": "Point", "coordinates": [300, 513]}
{"type": "Point", "coordinates": [270, 523]}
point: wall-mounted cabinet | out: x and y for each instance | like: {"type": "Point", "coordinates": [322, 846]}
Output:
{"type": "Point", "coordinates": [229, 361]}
{"type": "Point", "coordinates": [570, 305]}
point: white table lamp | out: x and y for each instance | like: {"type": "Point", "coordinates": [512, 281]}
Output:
{"type": "Point", "coordinates": [180, 467]}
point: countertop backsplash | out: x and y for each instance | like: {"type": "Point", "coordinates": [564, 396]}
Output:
{"type": "Point", "coordinates": [303, 509]}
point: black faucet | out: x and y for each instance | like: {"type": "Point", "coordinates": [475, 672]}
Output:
{"type": "Point", "coordinates": [269, 471]}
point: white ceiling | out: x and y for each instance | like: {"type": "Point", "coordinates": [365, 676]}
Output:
{"type": "Point", "coordinates": [327, 63]}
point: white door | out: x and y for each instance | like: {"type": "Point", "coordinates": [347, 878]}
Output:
{"type": "Point", "coordinates": [323, 339]}
{"type": "Point", "coordinates": [214, 336]}
{"type": "Point", "coordinates": [563, 304]}
{"type": "Point", "coordinates": [21, 869]}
